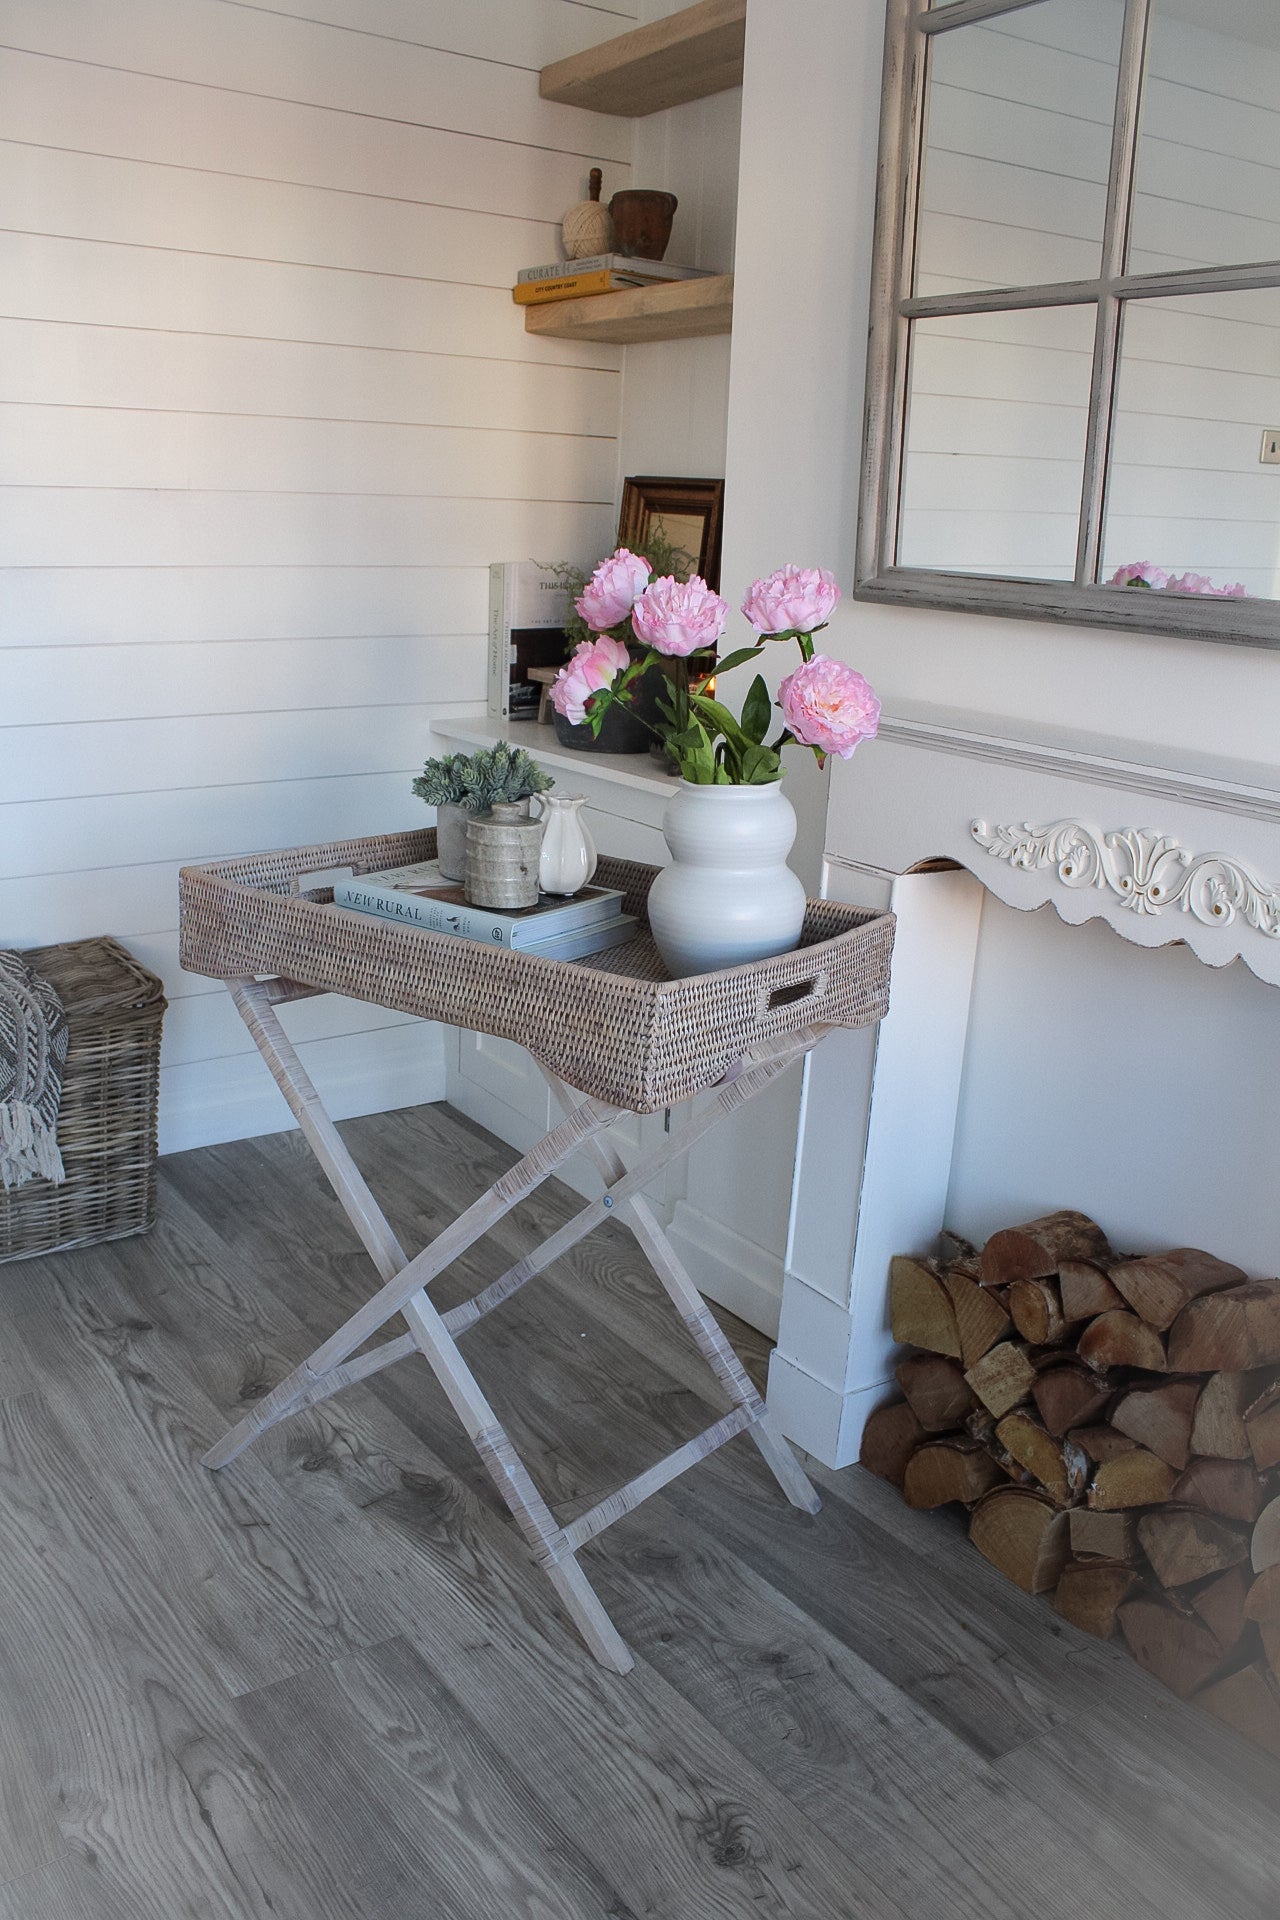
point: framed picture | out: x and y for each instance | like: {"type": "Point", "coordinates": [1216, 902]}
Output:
{"type": "Point", "coordinates": [689, 512]}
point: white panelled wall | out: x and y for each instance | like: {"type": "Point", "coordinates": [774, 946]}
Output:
{"type": "Point", "coordinates": [266, 414]}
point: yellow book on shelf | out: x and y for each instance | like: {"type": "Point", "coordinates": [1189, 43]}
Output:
{"type": "Point", "coordinates": [528, 293]}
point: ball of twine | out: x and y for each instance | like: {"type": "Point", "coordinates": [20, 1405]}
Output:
{"type": "Point", "coordinates": [587, 229]}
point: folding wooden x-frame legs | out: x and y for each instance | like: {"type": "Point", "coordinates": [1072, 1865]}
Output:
{"type": "Point", "coordinates": [338, 1363]}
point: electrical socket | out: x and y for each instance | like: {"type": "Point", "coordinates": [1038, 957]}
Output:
{"type": "Point", "coordinates": [1270, 455]}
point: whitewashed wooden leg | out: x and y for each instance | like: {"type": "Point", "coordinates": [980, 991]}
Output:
{"type": "Point", "coordinates": [639, 1215]}
{"type": "Point", "coordinates": [302, 1389]}
{"type": "Point", "coordinates": [254, 1004]}
{"type": "Point", "coordinates": [403, 1278]}
{"type": "Point", "coordinates": [512, 1478]}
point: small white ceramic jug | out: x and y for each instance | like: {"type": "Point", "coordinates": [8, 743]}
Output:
{"type": "Point", "coordinates": [568, 853]}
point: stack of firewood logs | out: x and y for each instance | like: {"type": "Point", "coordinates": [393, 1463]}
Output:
{"type": "Point", "coordinates": [1112, 1424]}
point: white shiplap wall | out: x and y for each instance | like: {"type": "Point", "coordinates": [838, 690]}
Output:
{"type": "Point", "coordinates": [1014, 192]}
{"type": "Point", "coordinates": [266, 414]}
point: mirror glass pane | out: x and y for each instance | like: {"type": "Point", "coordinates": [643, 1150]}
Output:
{"type": "Point", "coordinates": [995, 434]}
{"type": "Point", "coordinates": [1189, 491]}
{"type": "Point", "coordinates": [1208, 180]}
{"type": "Point", "coordinates": [1017, 147]}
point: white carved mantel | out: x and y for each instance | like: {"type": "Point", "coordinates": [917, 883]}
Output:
{"type": "Point", "coordinates": [1097, 828]}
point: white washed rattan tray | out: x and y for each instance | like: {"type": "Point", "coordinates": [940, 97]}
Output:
{"type": "Point", "coordinates": [615, 1026]}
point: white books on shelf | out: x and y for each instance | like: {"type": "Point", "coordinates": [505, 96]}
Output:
{"type": "Point", "coordinates": [525, 599]}
{"type": "Point", "coordinates": [420, 896]}
{"type": "Point", "coordinates": [613, 263]}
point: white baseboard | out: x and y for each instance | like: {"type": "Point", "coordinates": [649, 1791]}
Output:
{"type": "Point", "coordinates": [825, 1422]}
{"type": "Point", "coordinates": [235, 1097]}
{"type": "Point", "coordinates": [734, 1272]}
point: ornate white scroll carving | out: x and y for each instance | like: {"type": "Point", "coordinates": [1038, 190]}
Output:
{"type": "Point", "coordinates": [1148, 872]}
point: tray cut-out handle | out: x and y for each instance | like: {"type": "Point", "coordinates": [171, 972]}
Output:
{"type": "Point", "coordinates": [794, 992]}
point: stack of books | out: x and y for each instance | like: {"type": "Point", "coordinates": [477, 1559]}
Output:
{"type": "Point", "coordinates": [600, 273]}
{"type": "Point", "coordinates": [419, 896]}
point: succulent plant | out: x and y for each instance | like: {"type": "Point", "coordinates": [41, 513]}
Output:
{"type": "Point", "coordinates": [476, 780]}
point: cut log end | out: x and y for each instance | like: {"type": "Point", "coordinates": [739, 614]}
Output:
{"type": "Point", "coordinates": [1069, 1396]}
{"type": "Point", "coordinates": [1159, 1418]}
{"type": "Point", "coordinates": [1228, 1332]}
{"type": "Point", "coordinates": [889, 1439]}
{"type": "Point", "coordinates": [981, 1321]}
{"type": "Point", "coordinates": [1090, 1594]}
{"type": "Point", "coordinates": [1159, 1285]}
{"type": "Point", "coordinates": [942, 1471]}
{"type": "Point", "coordinates": [1003, 1378]}
{"type": "Point", "coordinates": [1133, 1479]}
{"type": "Point", "coordinates": [1122, 1340]}
{"type": "Point", "coordinates": [1021, 1532]}
{"type": "Point", "coordinates": [1060, 1472]}
{"type": "Point", "coordinates": [1179, 1650]}
{"type": "Point", "coordinates": [1183, 1545]}
{"type": "Point", "coordinates": [1037, 1249]}
{"type": "Point", "coordinates": [920, 1312]}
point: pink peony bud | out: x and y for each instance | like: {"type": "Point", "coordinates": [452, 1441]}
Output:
{"type": "Point", "coordinates": [679, 618]}
{"type": "Point", "coordinates": [610, 594]}
{"type": "Point", "coordinates": [595, 664]}
{"type": "Point", "coordinates": [828, 706]}
{"type": "Point", "coordinates": [792, 600]}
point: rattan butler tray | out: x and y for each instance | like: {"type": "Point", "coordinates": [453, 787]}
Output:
{"type": "Point", "coordinates": [612, 1035]}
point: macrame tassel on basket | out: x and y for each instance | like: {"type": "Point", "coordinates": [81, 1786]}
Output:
{"type": "Point", "coordinates": [28, 1147]}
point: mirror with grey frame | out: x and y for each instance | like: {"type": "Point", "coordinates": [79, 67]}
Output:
{"type": "Point", "coordinates": [1073, 401]}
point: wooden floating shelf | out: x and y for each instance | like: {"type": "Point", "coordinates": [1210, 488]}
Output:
{"type": "Point", "coordinates": [673, 310]}
{"type": "Point", "coordinates": [687, 56]}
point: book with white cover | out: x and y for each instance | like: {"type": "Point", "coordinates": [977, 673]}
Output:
{"type": "Point", "coordinates": [420, 896]}
{"type": "Point", "coordinates": [525, 599]}
{"type": "Point", "coordinates": [583, 941]}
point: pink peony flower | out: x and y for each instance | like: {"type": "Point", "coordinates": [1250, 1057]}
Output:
{"type": "Point", "coordinates": [1139, 573]}
{"type": "Point", "coordinates": [676, 618]}
{"type": "Point", "coordinates": [792, 600]}
{"type": "Point", "coordinates": [828, 706]}
{"type": "Point", "coordinates": [1201, 583]}
{"type": "Point", "coordinates": [594, 665]}
{"type": "Point", "coordinates": [610, 594]}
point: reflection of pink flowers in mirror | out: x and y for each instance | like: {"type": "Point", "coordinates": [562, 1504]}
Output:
{"type": "Point", "coordinates": [1141, 573]}
{"type": "Point", "coordinates": [595, 665]}
{"type": "Point", "coordinates": [1201, 583]}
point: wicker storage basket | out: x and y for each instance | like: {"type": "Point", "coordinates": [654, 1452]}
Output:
{"type": "Point", "coordinates": [107, 1119]}
{"type": "Point", "coordinates": [613, 1025]}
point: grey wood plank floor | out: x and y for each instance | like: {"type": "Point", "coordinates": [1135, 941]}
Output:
{"type": "Point", "coordinates": [327, 1683]}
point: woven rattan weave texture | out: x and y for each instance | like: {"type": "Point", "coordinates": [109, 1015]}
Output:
{"type": "Point", "coordinates": [614, 1026]}
{"type": "Point", "coordinates": [107, 1118]}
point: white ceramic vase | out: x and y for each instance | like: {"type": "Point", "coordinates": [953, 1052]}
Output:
{"type": "Point", "coordinates": [728, 896]}
{"type": "Point", "coordinates": [568, 857]}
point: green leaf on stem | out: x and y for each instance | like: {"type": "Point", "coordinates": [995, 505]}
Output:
{"type": "Point", "coordinates": [721, 720]}
{"type": "Point", "coordinates": [760, 767]}
{"type": "Point", "coordinates": [756, 710]}
{"type": "Point", "coordinates": [738, 659]}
